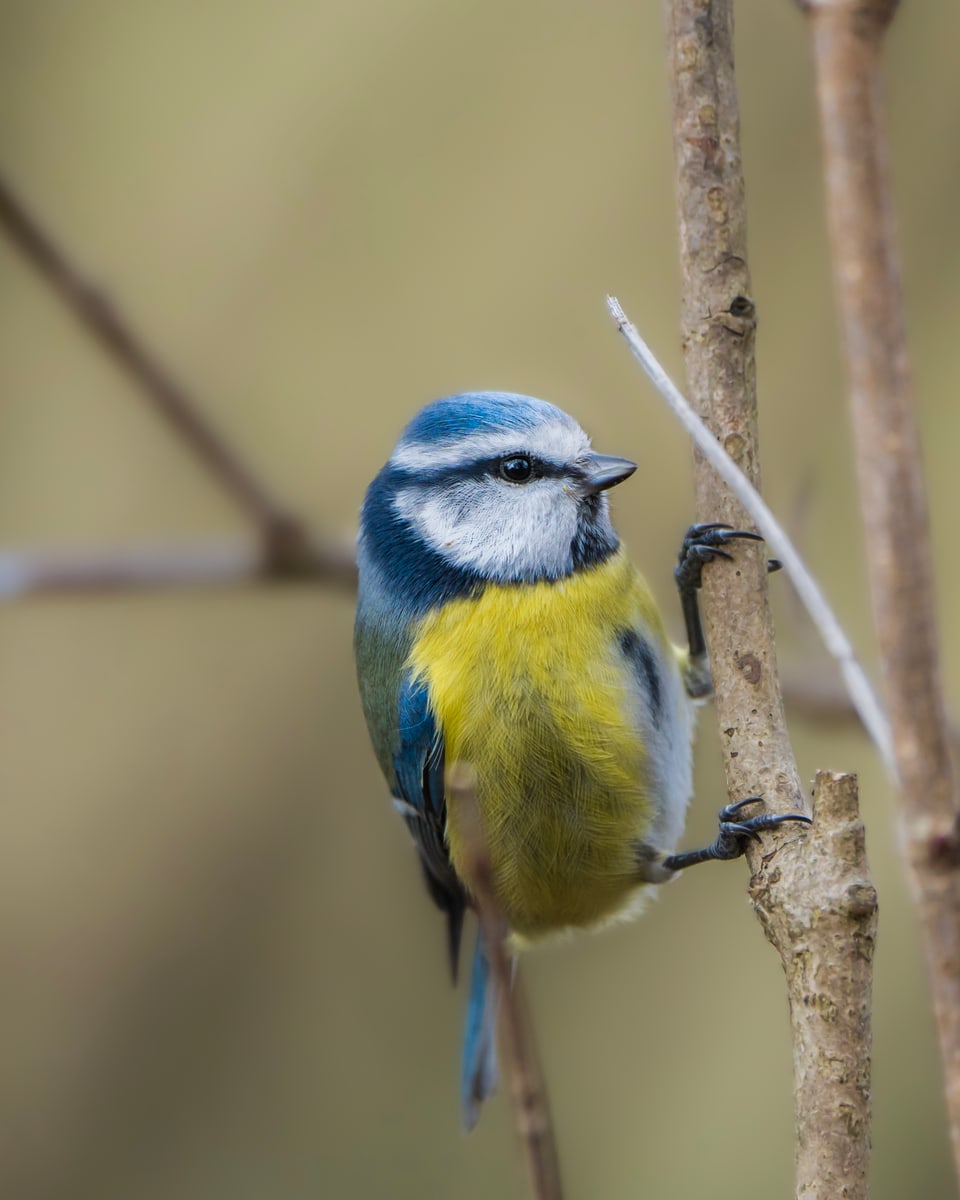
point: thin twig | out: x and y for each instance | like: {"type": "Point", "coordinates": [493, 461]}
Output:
{"type": "Point", "coordinates": [528, 1091]}
{"type": "Point", "coordinates": [818, 697]}
{"type": "Point", "coordinates": [31, 573]}
{"type": "Point", "coordinates": [821, 614]}
{"type": "Point", "coordinates": [825, 702]}
{"type": "Point", "coordinates": [847, 41]}
{"type": "Point", "coordinates": [791, 888]}
{"type": "Point", "coordinates": [285, 537]}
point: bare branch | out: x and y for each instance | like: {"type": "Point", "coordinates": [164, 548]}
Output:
{"type": "Point", "coordinates": [790, 888]}
{"type": "Point", "coordinates": [718, 327]}
{"type": "Point", "coordinates": [285, 536]}
{"type": "Point", "coordinates": [828, 917]}
{"type": "Point", "coordinates": [847, 41]}
{"type": "Point", "coordinates": [528, 1091]}
{"type": "Point", "coordinates": [30, 573]}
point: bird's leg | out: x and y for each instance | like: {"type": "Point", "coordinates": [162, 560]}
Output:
{"type": "Point", "coordinates": [702, 544]}
{"type": "Point", "coordinates": [734, 835]}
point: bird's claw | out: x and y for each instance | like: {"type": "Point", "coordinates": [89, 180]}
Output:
{"type": "Point", "coordinates": [702, 544]}
{"type": "Point", "coordinates": [734, 834]}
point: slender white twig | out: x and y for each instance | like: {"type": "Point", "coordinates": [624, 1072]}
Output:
{"type": "Point", "coordinates": [858, 685]}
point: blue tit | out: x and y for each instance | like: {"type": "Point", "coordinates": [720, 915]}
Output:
{"type": "Point", "coordinates": [499, 624]}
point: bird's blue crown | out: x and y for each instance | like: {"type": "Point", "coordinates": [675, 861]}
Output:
{"type": "Point", "coordinates": [456, 418]}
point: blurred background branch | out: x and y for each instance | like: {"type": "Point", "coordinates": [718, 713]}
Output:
{"type": "Point", "coordinates": [794, 881]}
{"type": "Point", "coordinates": [848, 41]}
{"type": "Point", "coordinates": [814, 696]}
{"type": "Point", "coordinates": [29, 573]}
{"type": "Point", "coordinates": [288, 548]}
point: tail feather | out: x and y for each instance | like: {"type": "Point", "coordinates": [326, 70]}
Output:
{"type": "Point", "coordinates": [478, 1077]}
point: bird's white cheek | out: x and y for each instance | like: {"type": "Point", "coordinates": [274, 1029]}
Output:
{"type": "Point", "coordinates": [537, 531]}
{"type": "Point", "coordinates": [524, 533]}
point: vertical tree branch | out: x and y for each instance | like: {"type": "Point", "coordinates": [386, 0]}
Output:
{"type": "Point", "coordinates": [826, 916]}
{"type": "Point", "coordinates": [718, 329]}
{"type": "Point", "coordinates": [847, 40]}
{"type": "Point", "coordinates": [794, 877]}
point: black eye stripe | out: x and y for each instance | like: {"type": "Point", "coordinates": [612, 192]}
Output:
{"type": "Point", "coordinates": [480, 468]}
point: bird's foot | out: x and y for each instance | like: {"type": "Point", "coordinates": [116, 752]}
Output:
{"type": "Point", "coordinates": [735, 834]}
{"type": "Point", "coordinates": [702, 544]}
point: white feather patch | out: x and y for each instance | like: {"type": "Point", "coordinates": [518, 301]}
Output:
{"type": "Point", "coordinates": [553, 441]}
{"type": "Point", "coordinates": [499, 529]}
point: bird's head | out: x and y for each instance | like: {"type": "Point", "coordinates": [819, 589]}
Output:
{"type": "Point", "coordinates": [491, 486]}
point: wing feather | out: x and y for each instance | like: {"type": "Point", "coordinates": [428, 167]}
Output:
{"type": "Point", "coordinates": [419, 768]}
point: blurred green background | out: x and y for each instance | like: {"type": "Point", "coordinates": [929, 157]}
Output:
{"type": "Point", "coordinates": [221, 974]}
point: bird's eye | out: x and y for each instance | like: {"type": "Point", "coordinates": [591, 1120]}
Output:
{"type": "Point", "coordinates": [517, 469]}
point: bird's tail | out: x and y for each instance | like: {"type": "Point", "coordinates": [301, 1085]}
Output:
{"type": "Point", "coordinates": [478, 1070]}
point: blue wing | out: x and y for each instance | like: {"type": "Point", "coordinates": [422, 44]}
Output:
{"type": "Point", "coordinates": [418, 764]}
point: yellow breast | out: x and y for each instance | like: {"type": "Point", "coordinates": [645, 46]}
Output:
{"type": "Point", "coordinates": [529, 685]}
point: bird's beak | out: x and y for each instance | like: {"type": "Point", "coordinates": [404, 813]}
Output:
{"type": "Point", "coordinates": [602, 471]}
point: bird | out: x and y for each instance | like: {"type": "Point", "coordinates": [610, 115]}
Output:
{"type": "Point", "coordinates": [500, 624]}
